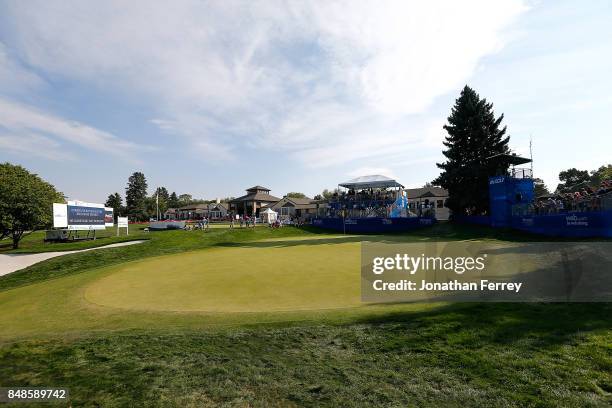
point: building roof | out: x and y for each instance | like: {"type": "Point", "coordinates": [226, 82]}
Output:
{"type": "Point", "coordinates": [219, 206]}
{"type": "Point", "coordinates": [193, 207]}
{"type": "Point", "coordinates": [372, 181]}
{"type": "Point", "coordinates": [299, 203]}
{"type": "Point", "coordinates": [256, 197]}
{"type": "Point", "coordinates": [298, 200]}
{"type": "Point", "coordinates": [204, 206]}
{"type": "Point", "coordinates": [425, 192]}
{"type": "Point", "coordinates": [259, 188]}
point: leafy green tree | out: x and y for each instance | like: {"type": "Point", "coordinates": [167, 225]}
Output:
{"type": "Point", "coordinates": [135, 197]}
{"type": "Point", "coordinates": [26, 202]}
{"type": "Point", "coordinates": [601, 174]}
{"type": "Point", "coordinates": [150, 207]}
{"type": "Point", "coordinates": [164, 198]}
{"type": "Point", "coordinates": [173, 201]}
{"type": "Point", "coordinates": [474, 135]}
{"type": "Point", "coordinates": [294, 194]}
{"type": "Point", "coordinates": [185, 199]}
{"type": "Point", "coordinates": [163, 194]}
{"type": "Point", "coordinates": [539, 187]}
{"type": "Point", "coordinates": [572, 179]}
{"type": "Point", "coordinates": [327, 194]}
{"type": "Point", "coordinates": [115, 202]}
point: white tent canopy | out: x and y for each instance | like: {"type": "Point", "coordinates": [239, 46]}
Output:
{"type": "Point", "coordinates": [268, 215]}
{"type": "Point", "coordinates": [373, 181]}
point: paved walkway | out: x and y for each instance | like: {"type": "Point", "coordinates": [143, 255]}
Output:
{"type": "Point", "coordinates": [14, 262]}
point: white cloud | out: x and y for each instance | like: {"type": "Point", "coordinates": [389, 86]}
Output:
{"type": "Point", "coordinates": [15, 78]}
{"type": "Point", "coordinates": [310, 79]}
{"type": "Point", "coordinates": [33, 145]}
{"type": "Point", "coordinates": [27, 126]}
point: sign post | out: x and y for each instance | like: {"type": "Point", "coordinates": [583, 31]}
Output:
{"type": "Point", "coordinates": [122, 222]}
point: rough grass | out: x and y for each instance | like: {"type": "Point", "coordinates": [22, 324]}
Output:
{"type": "Point", "coordinates": [462, 355]}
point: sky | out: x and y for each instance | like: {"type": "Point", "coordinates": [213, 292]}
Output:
{"type": "Point", "coordinates": [212, 97]}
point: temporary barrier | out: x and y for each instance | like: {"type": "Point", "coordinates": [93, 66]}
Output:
{"type": "Point", "coordinates": [373, 225]}
{"type": "Point", "coordinates": [572, 224]}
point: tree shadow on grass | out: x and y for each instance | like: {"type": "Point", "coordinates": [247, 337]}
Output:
{"type": "Point", "coordinates": [476, 324]}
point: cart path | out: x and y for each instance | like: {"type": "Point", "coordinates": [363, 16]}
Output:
{"type": "Point", "coordinates": [13, 262]}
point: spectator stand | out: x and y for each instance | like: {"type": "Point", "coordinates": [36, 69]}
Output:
{"type": "Point", "coordinates": [372, 204]}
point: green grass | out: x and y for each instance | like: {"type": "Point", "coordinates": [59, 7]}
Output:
{"type": "Point", "coordinates": [113, 327]}
{"type": "Point", "coordinates": [34, 242]}
{"type": "Point", "coordinates": [464, 355]}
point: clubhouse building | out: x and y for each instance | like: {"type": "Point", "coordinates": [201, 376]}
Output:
{"type": "Point", "coordinates": [428, 197]}
{"type": "Point", "coordinates": [214, 211]}
{"type": "Point", "coordinates": [290, 207]}
{"type": "Point", "coordinates": [256, 199]}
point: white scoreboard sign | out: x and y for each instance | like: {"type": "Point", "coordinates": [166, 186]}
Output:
{"type": "Point", "coordinates": [79, 215]}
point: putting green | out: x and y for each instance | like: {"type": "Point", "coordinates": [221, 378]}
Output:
{"type": "Point", "coordinates": [318, 274]}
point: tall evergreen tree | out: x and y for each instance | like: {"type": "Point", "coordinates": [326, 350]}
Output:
{"type": "Point", "coordinates": [164, 197]}
{"type": "Point", "coordinates": [163, 193]}
{"type": "Point", "coordinates": [116, 203]}
{"type": "Point", "coordinates": [135, 197]}
{"type": "Point", "coordinates": [173, 201]}
{"type": "Point", "coordinates": [474, 134]}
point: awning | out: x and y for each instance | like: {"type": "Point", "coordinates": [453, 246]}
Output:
{"type": "Point", "coordinates": [374, 181]}
{"type": "Point", "coordinates": [511, 159]}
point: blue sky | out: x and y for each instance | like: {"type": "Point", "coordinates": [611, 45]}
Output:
{"type": "Point", "coordinates": [210, 98]}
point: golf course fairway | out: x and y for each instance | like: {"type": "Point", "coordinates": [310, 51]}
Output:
{"type": "Point", "coordinates": [250, 278]}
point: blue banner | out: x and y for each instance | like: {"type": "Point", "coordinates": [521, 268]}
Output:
{"type": "Point", "coordinates": [85, 216]}
{"type": "Point", "coordinates": [373, 225]}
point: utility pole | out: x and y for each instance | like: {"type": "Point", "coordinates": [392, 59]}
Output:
{"type": "Point", "coordinates": [157, 202]}
{"type": "Point", "coordinates": [531, 153]}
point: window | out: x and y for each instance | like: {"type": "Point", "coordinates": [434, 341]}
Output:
{"type": "Point", "coordinates": [440, 203]}
{"type": "Point", "coordinates": [285, 210]}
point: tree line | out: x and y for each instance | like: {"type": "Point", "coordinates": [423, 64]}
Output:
{"type": "Point", "coordinates": [140, 206]}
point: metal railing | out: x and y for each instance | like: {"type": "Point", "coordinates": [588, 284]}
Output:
{"type": "Point", "coordinates": [521, 172]}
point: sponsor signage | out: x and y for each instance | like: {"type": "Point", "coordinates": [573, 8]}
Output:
{"type": "Point", "coordinates": [108, 217]}
{"type": "Point", "coordinates": [122, 222]}
{"type": "Point", "coordinates": [79, 215]}
{"type": "Point", "coordinates": [60, 215]}
{"type": "Point", "coordinates": [576, 221]}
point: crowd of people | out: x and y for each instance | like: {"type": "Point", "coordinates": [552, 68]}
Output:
{"type": "Point", "coordinates": [366, 196]}
{"type": "Point", "coordinates": [361, 203]}
{"type": "Point", "coordinates": [203, 224]}
{"type": "Point", "coordinates": [585, 199]}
